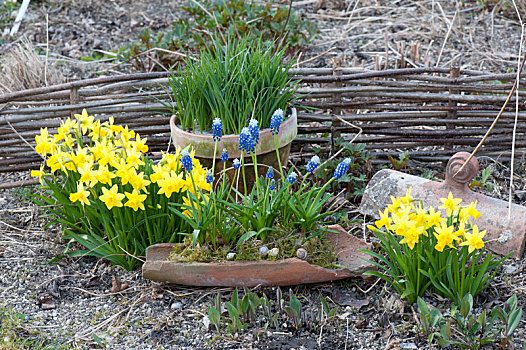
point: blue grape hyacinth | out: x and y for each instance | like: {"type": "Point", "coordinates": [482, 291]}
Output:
{"type": "Point", "coordinates": [254, 130]}
{"type": "Point", "coordinates": [224, 155]}
{"type": "Point", "coordinates": [292, 177]}
{"type": "Point", "coordinates": [186, 160]}
{"type": "Point", "coordinates": [342, 168]}
{"type": "Point", "coordinates": [209, 177]}
{"type": "Point", "coordinates": [275, 121]}
{"type": "Point", "coordinates": [217, 129]}
{"type": "Point", "coordinates": [272, 185]}
{"type": "Point", "coordinates": [246, 142]}
{"type": "Point", "coordinates": [236, 163]}
{"type": "Point", "coordinates": [313, 163]}
{"type": "Point", "coordinates": [270, 172]}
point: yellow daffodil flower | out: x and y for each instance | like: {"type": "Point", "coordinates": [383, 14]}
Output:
{"type": "Point", "coordinates": [384, 220]}
{"type": "Point", "coordinates": [112, 197]}
{"type": "Point", "coordinates": [87, 175]}
{"type": "Point", "coordinates": [85, 121]}
{"type": "Point", "coordinates": [171, 183]}
{"type": "Point", "coordinates": [394, 207]}
{"type": "Point", "coordinates": [135, 200]}
{"type": "Point", "coordinates": [444, 235]}
{"type": "Point", "coordinates": [474, 240]}
{"type": "Point", "coordinates": [139, 182]}
{"type": "Point", "coordinates": [38, 173]}
{"type": "Point", "coordinates": [470, 211]}
{"type": "Point", "coordinates": [449, 203]}
{"type": "Point", "coordinates": [81, 195]}
{"type": "Point", "coordinates": [140, 144]}
{"type": "Point", "coordinates": [104, 176]}
{"type": "Point", "coordinates": [433, 217]}
{"type": "Point", "coordinates": [407, 199]}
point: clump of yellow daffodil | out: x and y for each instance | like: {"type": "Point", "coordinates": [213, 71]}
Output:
{"type": "Point", "coordinates": [111, 161]}
{"type": "Point", "coordinates": [104, 187]}
{"type": "Point", "coordinates": [435, 247]}
{"type": "Point", "coordinates": [405, 218]}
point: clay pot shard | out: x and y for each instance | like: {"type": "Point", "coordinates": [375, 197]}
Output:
{"type": "Point", "coordinates": [504, 236]}
{"type": "Point", "coordinates": [285, 272]}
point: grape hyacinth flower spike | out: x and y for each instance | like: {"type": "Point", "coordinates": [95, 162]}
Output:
{"type": "Point", "coordinates": [272, 185]}
{"type": "Point", "coordinates": [236, 163]}
{"type": "Point", "coordinates": [217, 128]}
{"type": "Point", "coordinates": [209, 177]}
{"type": "Point", "coordinates": [275, 121]}
{"type": "Point", "coordinates": [186, 161]}
{"type": "Point", "coordinates": [270, 173]}
{"type": "Point", "coordinates": [246, 142]}
{"type": "Point", "coordinates": [254, 130]}
{"type": "Point", "coordinates": [292, 178]}
{"type": "Point", "coordinates": [313, 163]}
{"type": "Point", "coordinates": [224, 155]}
{"type": "Point", "coordinates": [342, 168]}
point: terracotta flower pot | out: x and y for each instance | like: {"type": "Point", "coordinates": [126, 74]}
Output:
{"type": "Point", "coordinates": [265, 149]}
{"type": "Point", "coordinates": [291, 271]}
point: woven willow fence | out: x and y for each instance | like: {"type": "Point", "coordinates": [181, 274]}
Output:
{"type": "Point", "coordinates": [432, 112]}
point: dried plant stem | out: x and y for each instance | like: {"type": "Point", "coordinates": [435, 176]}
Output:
{"type": "Point", "coordinates": [519, 69]}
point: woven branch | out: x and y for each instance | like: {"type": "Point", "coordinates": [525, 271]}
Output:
{"type": "Point", "coordinates": [398, 109]}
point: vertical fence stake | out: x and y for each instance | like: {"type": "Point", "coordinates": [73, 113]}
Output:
{"type": "Point", "coordinates": [74, 98]}
{"type": "Point", "coordinates": [454, 73]}
{"type": "Point", "coordinates": [336, 97]}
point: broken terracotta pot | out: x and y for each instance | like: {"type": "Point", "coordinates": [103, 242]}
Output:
{"type": "Point", "coordinates": [503, 235]}
{"type": "Point", "coordinates": [286, 272]}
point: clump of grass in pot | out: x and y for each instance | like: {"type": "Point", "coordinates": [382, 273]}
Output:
{"type": "Point", "coordinates": [235, 81]}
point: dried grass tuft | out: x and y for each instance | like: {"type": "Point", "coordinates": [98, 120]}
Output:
{"type": "Point", "coordinates": [23, 69]}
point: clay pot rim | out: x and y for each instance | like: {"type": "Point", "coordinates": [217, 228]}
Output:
{"type": "Point", "coordinates": [232, 137]}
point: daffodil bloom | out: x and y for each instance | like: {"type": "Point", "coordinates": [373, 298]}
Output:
{"type": "Point", "coordinates": [80, 157]}
{"type": "Point", "coordinates": [104, 176]}
{"type": "Point", "coordinates": [170, 184]}
{"type": "Point", "coordinates": [157, 173]}
{"type": "Point", "coordinates": [419, 216]}
{"type": "Point", "coordinates": [449, 203]}
{"type": "Point", "coordinates": [127, 176]}
{"type": "Point", "coordinates": [444, 235]}
{"type": "Point", "coordinates": [411, 236]}
{"type": "Point", "coordinates": [44, 144]}
{"type": "Point", "coordinates": [54, 162]}
{"type": "Point", "coordinates": [139, 182]}
{"type": "Point", "coordinates": [407, 199]}
{"type": "Point", "coordinates": [85, 121]}
{"type": "Point", "coordinates": [112, 197]}
{"type": "Point", "coordinates": [134, 158]}
{"type": "Point", "coordinates": [394, 207]}
{"type": "Point", "coordinates": [38, 173]}
{"type": "Point", "coordinates": [135, 200]}
{"type": "Point", "coordinates": [81, 195]}
{"type": "Point", "coordinates": [401, 223]}
{"type": "Point", "coordinates": [384, 220]}
{"type": "Point", "coordinates": [433, 217]}
{"type": "Point", "coordinates": [470, 211]}
{"type": "Point", "coordinates": [127, 134]}
{"type": "Point", "coordinates": [474, 240]}
{"type": "Point", "coordinates": [87, 174]}
{"type": "Point", "coordinates": [140, 144]}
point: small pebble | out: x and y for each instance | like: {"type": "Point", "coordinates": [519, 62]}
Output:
{"type": "Point", "coordinates": [273, 252]}
{"type": "Point", "coordinates": [230, 256]}
{"type": "Point", "coordinates": [263, 251]}
{"type": "Point", "coordinates": [301, 253]}
{"type": "Point", "coordinates": [509, 269]}
{"type": "Point", "coordinates": [176, 306]}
